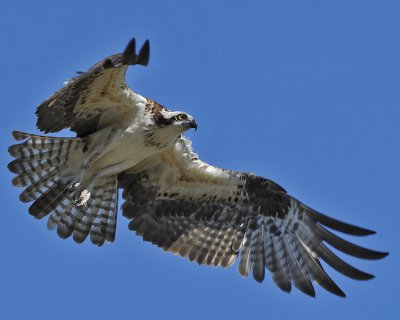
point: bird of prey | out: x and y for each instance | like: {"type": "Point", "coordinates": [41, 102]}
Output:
{"type": "Point", "coordinates": [172, 198]}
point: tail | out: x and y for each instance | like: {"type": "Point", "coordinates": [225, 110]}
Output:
{"type": "Point", "coordinates": [39, 163]}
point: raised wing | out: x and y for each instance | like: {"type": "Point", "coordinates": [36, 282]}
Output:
{"type": "Point", "coordinates": [210, 215]}
{"type": "Point", "coordinates": [94, 98]}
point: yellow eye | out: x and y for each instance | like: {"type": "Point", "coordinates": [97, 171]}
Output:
{"type": "Point", "coordinates": [180, 117]}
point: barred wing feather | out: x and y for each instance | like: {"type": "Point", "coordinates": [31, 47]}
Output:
{"type": "Point", "coordinates": [212, 216]}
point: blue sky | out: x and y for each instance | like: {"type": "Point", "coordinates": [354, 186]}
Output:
{"type": "Point", "coordinates": [305, 93]}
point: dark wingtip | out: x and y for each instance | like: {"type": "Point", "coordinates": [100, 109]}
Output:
{"type": "Point", "coordinates": [348, 247]}
{"type": "Point", "coordinates": [382, 255]}
{"type": "Point", "coordinates": [365, 276]}
{"type": "Point", "coordinates": [364, 231]}
{"type": "Point", "coordinates": [332, 287]}
{"type": "Point", "coordinates": [373, 255]}
{"type": "Point", "coordinates": [285, 286]}
{"type": "Point", "coordinates": [337, 224]}
{"type": "Point", "coordinates": [309, 292]}
{"type": "Point", "coordinates": [129, 55]}
{"type": "Point", "coordinates": [144, 54]}
{"type": "Point", "coordinates": [259, 277]}
{"type": "Point", "coordinates": [340, 294]}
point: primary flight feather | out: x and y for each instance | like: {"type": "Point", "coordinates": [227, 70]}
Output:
{"type": "Point", "coordinates": [173, 199]}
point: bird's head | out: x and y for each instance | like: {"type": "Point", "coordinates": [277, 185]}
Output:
{"type": "Point", "coordinates": [168, 125]}
{"type": "Point", "coordinates": [175, 120]}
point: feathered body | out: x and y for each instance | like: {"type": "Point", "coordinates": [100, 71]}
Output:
{"type": "Point", "coordinates": [172, 198]}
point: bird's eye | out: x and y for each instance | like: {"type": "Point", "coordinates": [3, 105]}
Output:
{"type": "Point", "coordinates": [180, 117]}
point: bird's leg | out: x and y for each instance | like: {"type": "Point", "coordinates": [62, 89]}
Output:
{"type": "Point", "coordinates": [95, 147]}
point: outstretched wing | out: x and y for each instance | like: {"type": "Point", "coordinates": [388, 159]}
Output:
{"type": "Point", "coordinates": [211, 215]}
{"type": "Point", "coordinates": [94, 98]}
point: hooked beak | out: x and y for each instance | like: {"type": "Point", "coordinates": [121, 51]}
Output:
{"type": "Point", "coordinates": [192, 124]}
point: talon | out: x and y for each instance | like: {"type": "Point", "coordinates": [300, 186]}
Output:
{"type": "Point", "coordinates": [82, 199]}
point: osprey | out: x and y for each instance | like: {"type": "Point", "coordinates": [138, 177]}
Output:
{"type": "Point", "coordinates": [173, 199]}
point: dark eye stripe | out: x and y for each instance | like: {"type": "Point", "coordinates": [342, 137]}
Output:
{"type": "Point", "coordinates": [161, 121]}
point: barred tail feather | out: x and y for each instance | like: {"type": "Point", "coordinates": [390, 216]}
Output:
{"type": "Point", "coordinates": [105, 216]}
{"type": "Point", "coordinates": [100, 215]}
{"type": "Point", "coordinates": [48, 201]}
{"type": "Point", "coordinates": [40, 187]}
{"type": "Point", "coordinates": [39, 164]}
